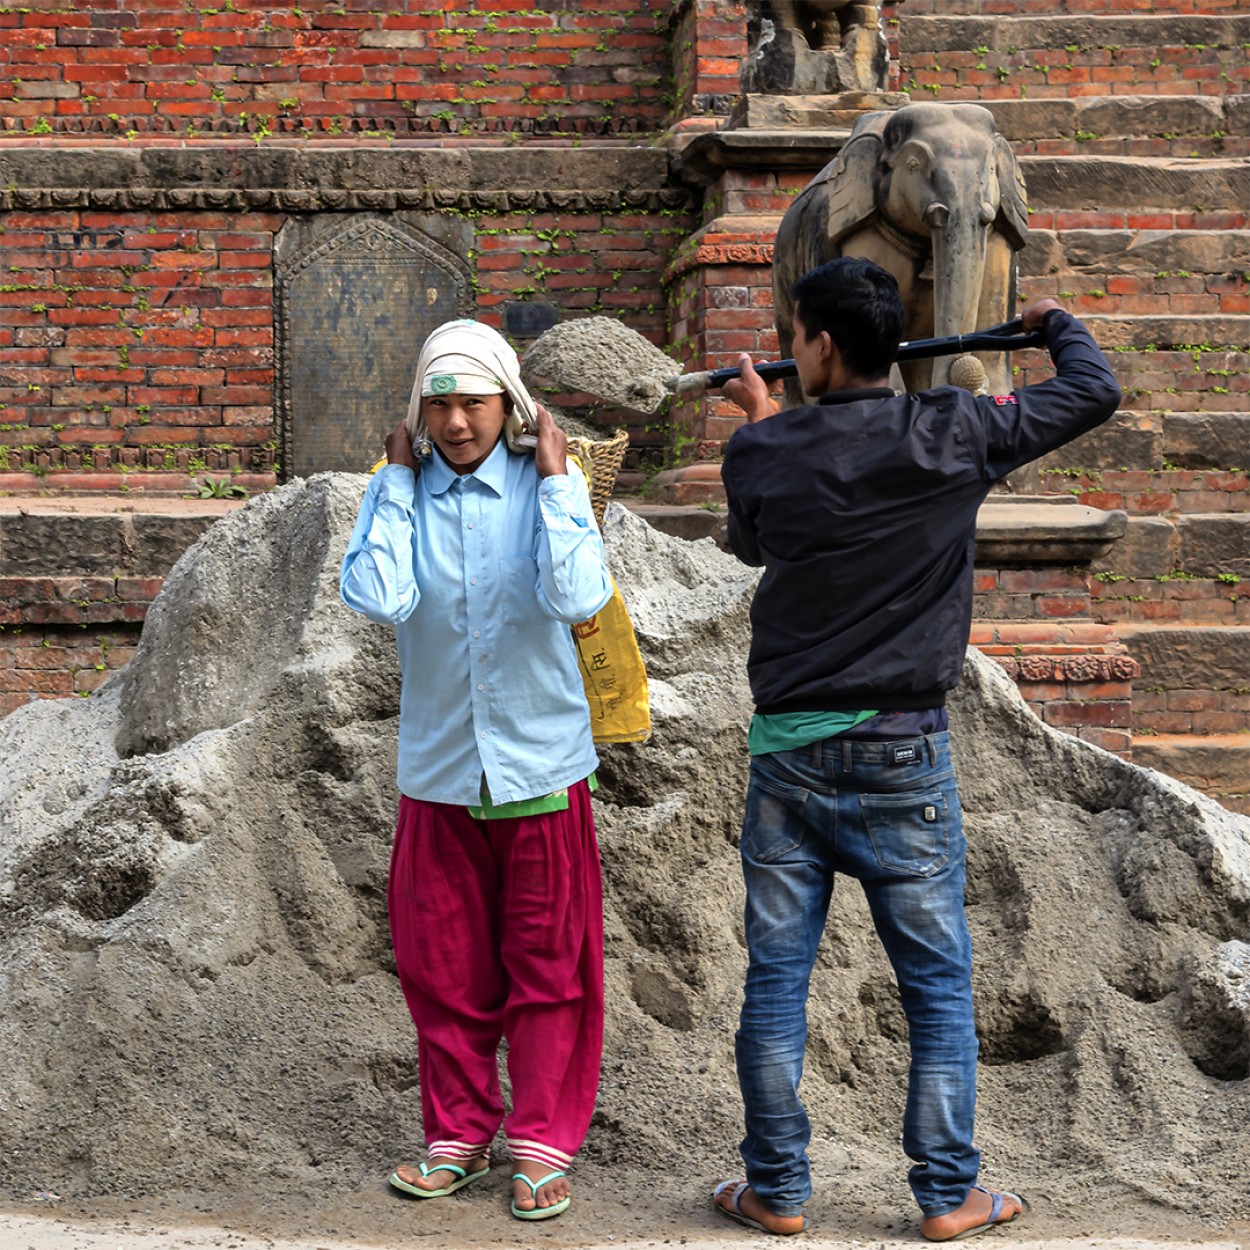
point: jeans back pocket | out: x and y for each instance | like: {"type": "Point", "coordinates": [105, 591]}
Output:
{"type": "Point", "coordinates": [774, 821]}
{"type": "Point", "coordinates": [909, 830]}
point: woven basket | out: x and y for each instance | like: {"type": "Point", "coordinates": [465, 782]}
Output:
{"type": "Point", "coordinates": [601, 461]}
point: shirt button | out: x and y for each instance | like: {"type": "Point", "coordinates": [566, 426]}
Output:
{"type": "Point", "coordinates": [477, 633]}
{"type": "Point", "coordinates": [481, 735]}
{"type": "Point", "coordinates": [481, 685]}
{"type": "Point", "coordinates": [469, 526]}
{"type": "Point", "coordinates": [472, 581]}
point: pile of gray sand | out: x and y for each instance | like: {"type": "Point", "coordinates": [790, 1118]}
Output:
{"type": "Point", "coordinates": [197, 995]}
{"type": "Point", "coordinates": [603, 357]}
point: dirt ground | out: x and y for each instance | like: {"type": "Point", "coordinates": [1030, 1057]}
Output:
{"type": "Point", "coordinates": [614, 1209]}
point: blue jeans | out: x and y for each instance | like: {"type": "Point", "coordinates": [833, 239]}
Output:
{"type": "Point", "coordinates": [888, 814]}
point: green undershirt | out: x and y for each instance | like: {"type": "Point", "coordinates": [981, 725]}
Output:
{"type": "Point", "coordinates": [787, 731]}
{"type": "Point", "coordinates": [557, 801]}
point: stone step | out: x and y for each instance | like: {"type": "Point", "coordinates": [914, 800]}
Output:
{"type": "Point", "coordinates": [1140, 272]}
{"type": "Point", "coordinates": [1218, 765]}
{"type": "Point", "coordinates": [1121, 251]}
{"type": "Point", "coordinates": [102, 536]}
{"type": "Point", "coordinates": [1181, 272]}
{"type": "Point", "coordinates": [1202, 545]}
{"type": "Point", "coordinates": [1074, 33]}
{"type": "Point", "coordinates": [1192, 192]}
{"type": "Point", "coordinates": [678, 520]}
{"type": "Point", "coordinates": [1184, 660]}
{"type": "Point", "coordinates": [1068, 55]}
{"type": "Point", "coordinates": [1013, 9]}
{"type": "Point", "coordinates": [1154, 333]}
{"type": "Point", "coordinates": [1137, 125]}
{"type": "Point", "coordinates": [1147, 441]}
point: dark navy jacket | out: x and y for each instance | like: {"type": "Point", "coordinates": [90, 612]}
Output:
{"type": "Point", "coordinates": [862, 510]}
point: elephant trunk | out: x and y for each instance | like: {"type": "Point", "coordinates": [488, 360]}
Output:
{"type": "Point", "coordinates": [959, 254]}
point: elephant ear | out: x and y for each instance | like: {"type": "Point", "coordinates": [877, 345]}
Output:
{"type": "Point", "coordinates": [852, 177]}
{"type": "Point", "coordinates": [1013, 209]}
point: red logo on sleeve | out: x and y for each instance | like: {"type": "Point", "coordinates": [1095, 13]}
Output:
{"type": "Point", "coordinates": [1000, 400]}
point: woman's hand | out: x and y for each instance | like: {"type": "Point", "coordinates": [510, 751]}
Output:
{"type": "Point", "coordinates": [399, 447]}
{"type": "Point", "coordinates": [550, 456]}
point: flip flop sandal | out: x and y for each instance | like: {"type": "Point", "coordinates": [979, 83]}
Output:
{"type": "Point", "coordinates": [463, 1178]}
{"type": "Point", "coordinates": [539, 1213]}
{"type": "Point", "coordinates": [997, 1198]}
{"type": "Point", "coordinates": [738, 1215]}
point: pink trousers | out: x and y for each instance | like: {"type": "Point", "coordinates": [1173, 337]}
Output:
{"type": "Point", "coordinates": [498, 933]}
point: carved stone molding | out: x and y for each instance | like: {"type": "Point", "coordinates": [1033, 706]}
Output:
{"type": "Point", "coordinates": [87, 458]}
{"type": "Point", "coordinates": [730, 253]}
{"type": "Point", "coordinates": [119, 125]}
{"type": "Point", "coordinates": [1069, 668]}
{"type": "Point", "coordinates": [294, 176]}
{"type": "Point", "coordinates": [300, 200]}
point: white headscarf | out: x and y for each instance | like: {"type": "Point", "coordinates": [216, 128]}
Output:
{"type": "Point", "coordinates": [470, 342]}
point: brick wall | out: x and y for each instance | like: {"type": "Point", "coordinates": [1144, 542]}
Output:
{"type": "Point", "coordinates": [1069, 68]}
{"type": "Point", "coordinates": [61, 637]}
{"type": "Point", "coordinates": [139, 338]}
{"type": "Point", "coordinates": [344, 67]}
{"type": "Point", "coordinates": [55, 662]}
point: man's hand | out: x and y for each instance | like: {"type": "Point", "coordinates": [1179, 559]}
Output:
{"type": "Point", "coordinates": [1035, 313]}
{"type": "Point", "coordinates": [399, 447]}
{"type": "Point", "coordinates": [553, 448]}
{"type": "Point", "coordinates": [750, 392]}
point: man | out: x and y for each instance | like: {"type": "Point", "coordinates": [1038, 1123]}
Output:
{"type": "Point", "coordinates": [862, 509]}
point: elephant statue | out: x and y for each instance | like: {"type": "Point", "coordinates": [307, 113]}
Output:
{"type": "Point", "coordinates": [932, 193]}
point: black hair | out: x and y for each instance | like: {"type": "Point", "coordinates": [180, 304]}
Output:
{"type": "Point", "coordinates": [858, 304]}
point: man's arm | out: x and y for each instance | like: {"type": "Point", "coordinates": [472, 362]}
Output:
{"type": "Point", "coordinates": [750, 393]}
{"type": "Point", "coordinates": [1036, 419]}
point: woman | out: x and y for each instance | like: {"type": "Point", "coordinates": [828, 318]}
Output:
{"type": "Point", "coordinates": [481, 549]}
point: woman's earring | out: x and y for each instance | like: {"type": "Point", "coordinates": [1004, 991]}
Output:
{"type": "Point", "coordinates": [422, 448]}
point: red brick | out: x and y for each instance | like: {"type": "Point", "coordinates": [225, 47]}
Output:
{"type": "Point", "coordinates": [1077, 714]}
{"type": "Point", "coordinates": [1117, 741]}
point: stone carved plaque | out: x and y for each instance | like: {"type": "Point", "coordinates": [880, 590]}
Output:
{"type": "Point", "coordinates": [356, 297]}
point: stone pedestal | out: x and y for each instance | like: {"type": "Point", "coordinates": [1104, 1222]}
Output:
{"type": "Point", "coordinates": [720, 281]}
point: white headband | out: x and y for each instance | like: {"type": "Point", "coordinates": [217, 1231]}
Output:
{"type": "Point", "coordinates": [485, 353]}
{"type": "Point", "coordinates": [448, 374]}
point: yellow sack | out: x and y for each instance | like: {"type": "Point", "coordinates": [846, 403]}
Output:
{"type": "Point", "coordinates": [613, 674]}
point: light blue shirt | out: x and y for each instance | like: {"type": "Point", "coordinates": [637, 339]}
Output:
{"type": "Point", "coordinates": [481, 575]}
